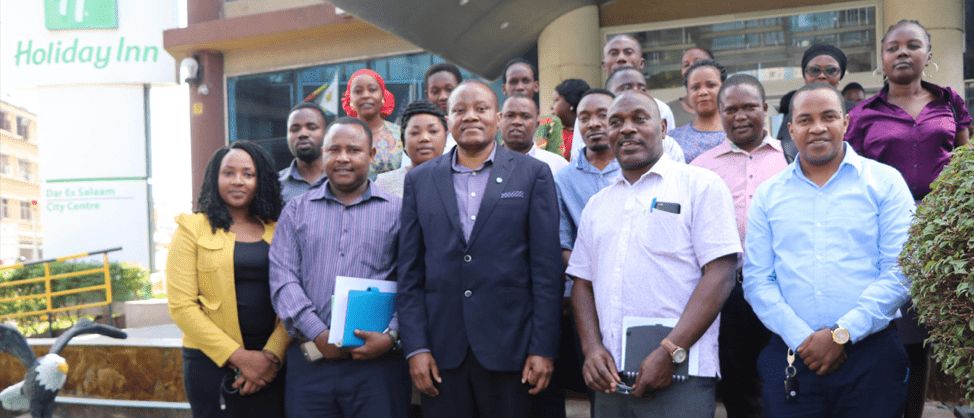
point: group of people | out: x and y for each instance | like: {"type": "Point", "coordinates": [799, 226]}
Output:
{"type": "Point", "coordinates": [522, 243]}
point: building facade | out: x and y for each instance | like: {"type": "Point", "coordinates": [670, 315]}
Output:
{"type": "Point", "coordinates": [20, 226]}
{"type": "Point", "coordinates": [261, 57]}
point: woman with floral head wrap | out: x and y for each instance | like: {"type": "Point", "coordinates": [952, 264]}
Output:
{"type": "Point", "coordinates": [367, 99]}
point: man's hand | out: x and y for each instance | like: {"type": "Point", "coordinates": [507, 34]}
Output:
{"type": "Point", "coordinates": [423, 370]}
{"type": "Point", "coordinates": [655, 373]}
{"type": "Point", "coordinates": [376, 344]}
{"type": "Point", "coordinates": [821, 354]}
{"type": "Point", "coordinates": [329, 351]}
{"type": "Point", "coordinates": [537, 372]}
{"type": "Point", "coordinates": [600, 371]}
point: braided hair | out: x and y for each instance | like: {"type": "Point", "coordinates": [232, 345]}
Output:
{"type": "Point", "coordinates": [267, 203]}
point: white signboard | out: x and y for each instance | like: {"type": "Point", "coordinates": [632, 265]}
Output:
{"type": "Point", "coordinates": [62, 42]}
{"type": "Point", "coordinates": [83, 216]}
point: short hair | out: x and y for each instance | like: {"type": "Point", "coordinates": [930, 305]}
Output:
{"type": "Point", "coordinates": [705, 51]}
{"type": "Point", "coordinates": [705, 63]}
{"type": "Point", "coordinates": [852, 86]}
{"type": "Point", "coordinates": [619, 70]}
{"type": "Point", "coordinates": [519, 96]}
{"type": "Point", "coordinates": [597, 90]}
{"type": "Point", "coordinates": [812, 87]}
{"type": "Point", "coordinates": [740, 80]}
{"type": "Point", "coordinates": [313, 106]}
{"type": "Point", "coordinates": [349, 120]}
{"type": "Point", "coordinates": [909, 22]}
{"type": "Point", "coordinates": [419, 107]}
{"type": "Point", "coordinates": [572, 90]}
{"type": "Point", "coordinates": [623, 36]}
{"type": "Point", "coordinates": [443, 67]}
{"type": "Point", "coordinates": [267, 203]}
{"type": "Point", "coordinates": [497, 104]}
{"type": "Point", "coordinates": [515, 61]}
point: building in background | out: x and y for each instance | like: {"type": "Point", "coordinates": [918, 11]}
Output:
{"type": "Point", "coordinates": [20, 188]}
{"type": "Point", "coordinates": [260, 57]}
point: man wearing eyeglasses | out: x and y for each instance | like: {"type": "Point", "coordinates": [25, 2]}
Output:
{"type": "Point", "coordinates": [822, 63]}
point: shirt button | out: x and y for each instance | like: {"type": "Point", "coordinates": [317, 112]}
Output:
{"type": "Point", "coordinates": [342, 254]}
{"type": "Point", "coordinates": [819, 293]}
{"type": "Point", "coordinates": [468, 293]}
{"type": "Point", "coordinates": [914, 166]}
{"type": "Point", "coordinates": [473, 193]}
{"type": "Point", "coordinates": [473, 217]}
{"type": "Point", "coordinates": [819, 224]}
{"type": "Point", "coordinates": [818, 257]}
{"type": "Point", "coordinates": [467, 258]}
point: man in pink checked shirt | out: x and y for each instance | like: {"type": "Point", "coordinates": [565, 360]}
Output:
{"type": "Point", "coordinates": [747, 158]}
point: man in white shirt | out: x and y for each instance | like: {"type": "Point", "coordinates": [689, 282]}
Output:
{"type": "Point", "coordinates": [519, 119]}
{"type": "Point", "coordinates": [660, 242]}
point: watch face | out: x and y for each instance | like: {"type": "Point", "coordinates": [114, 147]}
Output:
{"type": "Point", "coordinates": [840, 336]}
{"type": "Point", "coordinates": [679, 356]}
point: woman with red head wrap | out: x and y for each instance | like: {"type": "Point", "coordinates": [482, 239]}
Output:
{"type": "Point", "coordinates": [366, 98]}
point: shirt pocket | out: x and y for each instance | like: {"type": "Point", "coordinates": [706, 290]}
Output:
{"type": "Point", "coordinates": [209, 253]}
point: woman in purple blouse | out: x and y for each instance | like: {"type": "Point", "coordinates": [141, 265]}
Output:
{"type": "Point", "coordinates": [913, 126]}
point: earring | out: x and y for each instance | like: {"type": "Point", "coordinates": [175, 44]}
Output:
{"type": "Point", "coordinates": [936, 68]}
{"type": "Point", "coordinates": [878, 72]}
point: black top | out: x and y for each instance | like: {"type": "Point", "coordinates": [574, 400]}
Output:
{"type": "Point", "coordinates": [252, 281]}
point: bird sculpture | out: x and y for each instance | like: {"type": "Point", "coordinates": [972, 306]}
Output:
{"type": "Point", "coordinates": [45, 376]}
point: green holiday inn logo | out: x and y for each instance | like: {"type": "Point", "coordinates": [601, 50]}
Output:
{"type": "Point", "coordinates": [81, 14]}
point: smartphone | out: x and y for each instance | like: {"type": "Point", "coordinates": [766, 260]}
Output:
{"type": "Point", "coordinates": [311, 352]}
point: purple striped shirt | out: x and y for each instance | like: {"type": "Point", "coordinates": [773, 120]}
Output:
{"type": "Point", "coordinates": [319, 238]}
{"type": "Point", "coordinates": [469, 186]}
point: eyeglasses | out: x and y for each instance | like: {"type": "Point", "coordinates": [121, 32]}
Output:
{"type": "Point", "coordinates": [830, 71]}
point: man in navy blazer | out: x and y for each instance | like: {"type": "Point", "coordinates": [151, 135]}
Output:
{"type": "Point", "coordinates": [480, 283]}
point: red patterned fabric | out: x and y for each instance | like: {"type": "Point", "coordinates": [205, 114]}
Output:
{"type": "Point", "coordinates": [388, 101]}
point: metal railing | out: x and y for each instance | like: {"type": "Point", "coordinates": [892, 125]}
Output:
{"type": "Point", "coordinates": [48, 294]}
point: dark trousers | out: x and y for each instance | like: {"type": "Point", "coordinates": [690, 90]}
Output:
{"type": "Point", "coordinates": [742, 337]}
{"type": "Point", "coordinates": [203, 379]}
{"type": "Point", "coordinates": [471, 391]}
{"type": "Point", "coordinates": [550, 403]}
{"type": "Point", "coordinates": [347, 388]}
{"type": "Point", "coordinates": [871, 382]}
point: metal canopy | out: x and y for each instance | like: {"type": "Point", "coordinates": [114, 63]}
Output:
{"type": "Point", "coordinates": [478, 35]}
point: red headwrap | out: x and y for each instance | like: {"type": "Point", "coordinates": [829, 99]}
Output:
{"type": "Point", "coordinates": [388, 101]}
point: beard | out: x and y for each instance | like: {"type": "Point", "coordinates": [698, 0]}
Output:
{"type": "Point", "coordinates": [598, 148]}
{"type": "Point", "coordinates": [308, 155]}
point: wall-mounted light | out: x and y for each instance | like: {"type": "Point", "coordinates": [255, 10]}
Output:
{"type": "Point", "coordinates": [190, 70]}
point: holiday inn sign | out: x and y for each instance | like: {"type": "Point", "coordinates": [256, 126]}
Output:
{"type": "Point", "coordinates": [81, 14]}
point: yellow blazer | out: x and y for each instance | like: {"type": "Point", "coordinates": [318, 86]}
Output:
{"type": "Point", "coordinates": [202, 295]}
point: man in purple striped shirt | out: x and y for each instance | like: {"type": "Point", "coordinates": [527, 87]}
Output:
{"type": "Point", "coordinates": [346, 227]}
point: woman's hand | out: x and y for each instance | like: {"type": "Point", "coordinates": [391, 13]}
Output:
{"type": "Point", "coordinates": [257, 369]}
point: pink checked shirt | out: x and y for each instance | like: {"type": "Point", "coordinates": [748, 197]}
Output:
{"type": "Point", "coordinates": [743, 172]}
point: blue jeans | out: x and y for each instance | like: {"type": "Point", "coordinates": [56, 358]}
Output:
{"type": "Point", "coordinates": [871, 382]}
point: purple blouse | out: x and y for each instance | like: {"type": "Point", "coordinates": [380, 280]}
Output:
{"type": "Point", "coordinates": [918, 148]}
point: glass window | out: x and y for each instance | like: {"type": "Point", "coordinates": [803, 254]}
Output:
{"type": "Point", "coordinates": [25, 212]}
{"type": "Point", "coordinates": [4, 124]}
{"type": "Point", "coordinates": [24, 170]}
{"type": "Point", "coordinates": [4, 166]}
{"type": "Point", "coordinates": [258, 104]}
{"type": "Point", "coordinates": [769, 48]}
{"type": "Point", "coordinates": [23, 127]}
{"type": "Point", "coordinates": [4, 210]}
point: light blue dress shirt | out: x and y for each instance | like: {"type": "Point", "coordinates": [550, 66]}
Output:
{"type": "Point", "coordinates": [576, 184]}
{"type": "Point", "coordinates": [821, 256]}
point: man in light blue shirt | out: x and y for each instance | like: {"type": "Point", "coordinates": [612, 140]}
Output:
{"type": "Point", "coordinates": [821, 272]}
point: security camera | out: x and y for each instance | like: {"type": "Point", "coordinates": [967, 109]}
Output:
{"type": "Point", "coordinates": [190, 70]}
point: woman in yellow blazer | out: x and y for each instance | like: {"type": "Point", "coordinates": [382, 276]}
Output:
{"type": "Point", "coordinates": [219, 294]}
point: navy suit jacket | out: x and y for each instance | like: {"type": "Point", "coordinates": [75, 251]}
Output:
{"type": "Point", "coordinates": [498, 294]}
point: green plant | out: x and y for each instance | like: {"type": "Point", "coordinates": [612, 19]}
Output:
{"type": "Point", "coordinates": [939, 260]}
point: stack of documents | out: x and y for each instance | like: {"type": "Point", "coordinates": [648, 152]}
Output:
{"type": "Point", "coordinates": [360, 304]}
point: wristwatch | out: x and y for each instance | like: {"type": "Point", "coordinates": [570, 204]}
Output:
{"type": "Point", "coordinates": [839, 335]}
{"type": "Point", "coordinates": [678, 353]}
{"type": "Point", "coordinates": [394, 336]}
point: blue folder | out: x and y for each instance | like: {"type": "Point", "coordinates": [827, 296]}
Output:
{"type": "Point", "coordinates": [368, 310]}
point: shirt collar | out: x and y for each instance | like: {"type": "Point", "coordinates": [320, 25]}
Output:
{"type": "Point", "coordinates": [851, 159]}
{"type": "Point", "coordinates": [291, 172]}
{"type": "Point", "coordinates": [582, 163]}
{"type": "Point", "coordinates": [662, 166]}
{"type": "Point", "coordinates": [324, 192]}
{"type": "Point", "coordinates": [727, 146]}
{"type": "Point", "coordinates": [884, 93]}
{"type": "Point", "coordinates": [457, 168]}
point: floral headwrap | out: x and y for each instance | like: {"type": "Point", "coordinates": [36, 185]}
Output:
{"type": "Point", "coordinates": [388, 101]}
